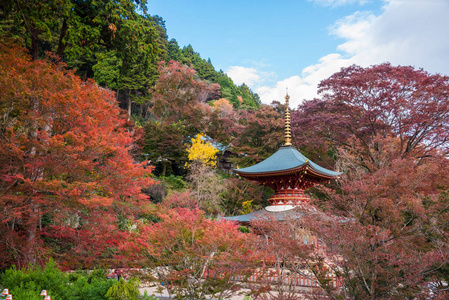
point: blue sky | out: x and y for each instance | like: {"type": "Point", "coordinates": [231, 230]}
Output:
{"type": "Point", "coordinates": [271, 45]}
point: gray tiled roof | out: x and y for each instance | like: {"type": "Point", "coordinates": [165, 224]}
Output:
{"type": "Point", "coordinates": [264, 214]}
{"type": "Point", "coordinates": [286, 158]}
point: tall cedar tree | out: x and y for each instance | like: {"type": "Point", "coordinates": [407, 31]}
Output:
{"type": "Point", "coordinates": [108, 40]}
{"type": "Point", "coordinates": [64, 156]}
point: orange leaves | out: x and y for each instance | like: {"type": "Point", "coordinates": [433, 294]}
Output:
{"type": "Point", "coordinates": [189, 232]}
{"type": "Point", "coordinates": [184, 246]}
{"type": "Point", "coordinates": [96, 201]}
{"type": "Point", "coordinates": [112, 28]}
{"type": "Point", "coordinates": [63, 147]}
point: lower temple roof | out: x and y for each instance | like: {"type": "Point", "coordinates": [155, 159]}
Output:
{"type": "Point", "coordinates": [267, 215]}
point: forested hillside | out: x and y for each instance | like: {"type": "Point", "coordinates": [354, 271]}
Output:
{"type": "Point", "coordinates": [115, 42]}
{"type": "Point", "coordinates": [126, 50]}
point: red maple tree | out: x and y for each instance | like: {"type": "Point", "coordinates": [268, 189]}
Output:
{"type": "Point", "coordinates": [194, 257]}
{"type": "Point", "coordinates": [64, 154]}
{"type": "Point", "coordinates": [385, 223]}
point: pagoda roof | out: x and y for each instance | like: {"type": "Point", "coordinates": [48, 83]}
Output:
{"type": "Point", "coordinates": [286, 159]}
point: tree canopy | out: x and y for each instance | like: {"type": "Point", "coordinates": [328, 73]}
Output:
{"type": "Point", "coordinates": [65, 152]}
{"type": "Point", "coordinates": [385, 127]}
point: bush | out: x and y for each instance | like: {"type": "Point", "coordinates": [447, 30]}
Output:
{"type": "Point", "coordinates": [92, 286]}
{"type": "Point", "coordinates": [176, 182]}
{"type": "Point", "coordinates": [29, 282]}
{"type": "Point", "coordinates": [124, 290]}
{"type": "Point", "coordinates": [157, 192]}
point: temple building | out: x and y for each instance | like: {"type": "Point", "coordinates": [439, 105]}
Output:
{"type": "Point", "coordinates": [289, 173]}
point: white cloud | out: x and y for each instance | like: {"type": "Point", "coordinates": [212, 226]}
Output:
{"type": "Point", "coordinates": [338, 2]}
{"type": "Point", "coordinates": [412, 32]}
{"type": "Point", "coordinates": [240, 75]}
{"type": "Point", "coordinates": [406, 33]}
{"type": "Point", "coordinates": [304, 86]}
{"type": "Point", "coordinates": [252, 77]}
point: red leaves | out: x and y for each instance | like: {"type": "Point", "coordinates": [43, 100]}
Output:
{"type": "Point", "coordinates": [411, 104]}
{"type": "Point", "coordinates": [184, 244]}
{"type": "Point", "coordinates": [382, 101]}
{"type": "Point", "coordinates": [178, 94]}
{"type": "Point", "coordinates": [386, 127]}
{"type": "Point", "coordinates": [389, 222]}
{"type": "Point", "coordinates": [260, 135]}
{"type": "Point", "coordinates": [63, 148]}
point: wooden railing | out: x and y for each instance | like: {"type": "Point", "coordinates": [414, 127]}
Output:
{"type": "Point", "coordinates": [275, 277]}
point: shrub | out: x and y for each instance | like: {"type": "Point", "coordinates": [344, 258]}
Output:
{"type": "Point", "coordinates": [124, 290]}
{"type": "Point", "coordinates": [29, 282]}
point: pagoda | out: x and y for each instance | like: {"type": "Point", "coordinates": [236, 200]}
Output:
{"type": "Point", "coordinates": [289, 173]}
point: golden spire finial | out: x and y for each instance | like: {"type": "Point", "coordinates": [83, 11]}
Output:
{"type": "Point", "coordinates": [288, 136]}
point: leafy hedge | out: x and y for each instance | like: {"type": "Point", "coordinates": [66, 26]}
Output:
{"type": "Point", "coordinates": [29, 282]}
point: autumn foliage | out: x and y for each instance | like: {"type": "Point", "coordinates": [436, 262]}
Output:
{"type": "Point", "coordinates": [194, 257]}
{"type": "Point", "coordinates": [70, 189]}
{"type": "Point", "coordinates": [385, 224]}
{"type": "Point", "coordinates": [381, 100]}
{"type": "Point", "coordinates": [202, 151]}
{"type": "Point", "coordinates": [64, 155]}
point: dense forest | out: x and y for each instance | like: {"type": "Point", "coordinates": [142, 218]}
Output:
{"type": "Point", "coordinates": [117, 150]}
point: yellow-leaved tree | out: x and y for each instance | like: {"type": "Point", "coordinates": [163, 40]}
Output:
{"type": "Point", "coordinates": [202, 152]}
{"type": "Point", "coordinates": [206, 185]}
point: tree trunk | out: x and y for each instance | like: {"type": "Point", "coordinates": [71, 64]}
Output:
{"type": "Point", "coordinates": [164, 169]}
{"type": "Point", "coordinates": [34, 44]}
{"type": "Point", "coordinates": [31, 220]}
{"type": "Point", "coordinates": [61, 44]}
{"type": "Point", "coordinates": [129, 105]}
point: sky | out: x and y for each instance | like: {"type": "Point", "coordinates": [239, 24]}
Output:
{"type": "Point", "coordinates": [272, 45]}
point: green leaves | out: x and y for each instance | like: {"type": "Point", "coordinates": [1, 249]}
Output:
{"type": "Point", "coordinates": [124, 290]}
{"type": "Point", "coordinates": [30, 281]}
{"type": "Point", "coordinates": [107, 69]}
